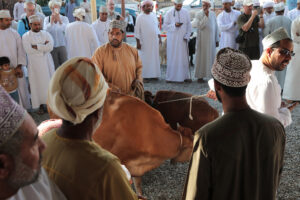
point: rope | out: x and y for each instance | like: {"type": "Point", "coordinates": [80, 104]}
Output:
{"type": "Point", "coordinates": [188, 98]}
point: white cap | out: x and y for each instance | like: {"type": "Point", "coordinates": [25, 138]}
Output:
{"type": "Point", "coordinates": [34, 18]}
{"type": "Point", "coordinates": [103, 9]}
{"type": "Point", "coordinates": [4, 14]}
{"type": "Point", "coordinates": [275, 36]}
{"type": "Point", "coordinates": [268, 4]}
{"type": "Point", "coordinates": [247, 3]}
{"type": "Point", "coordinates": [178, 1]}
{"type": "Point", "coordinates": [279, 7]}
{"type": "Point", "coordinates": [226, 1]}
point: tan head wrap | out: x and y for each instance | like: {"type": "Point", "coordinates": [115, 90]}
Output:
{"type": "Point", "coordinates": [12, 116]}
{"type": "Point", "coordinates": [76, 90]}
{"type": "Point", "coordinates": [4, 14]}
{"type": "Point", "coordinates": [79, 13]}
{"type": "Point", "coordinates": [232, 68]}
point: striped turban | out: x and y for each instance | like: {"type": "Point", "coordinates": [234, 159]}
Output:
{"type": "Point", "coordinates": [76, 90]}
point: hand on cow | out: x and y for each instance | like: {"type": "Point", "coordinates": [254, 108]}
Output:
{"type": "Point", "coordinates": [291, 107]}
{"type": "Point", "coordinates": [212, 95]}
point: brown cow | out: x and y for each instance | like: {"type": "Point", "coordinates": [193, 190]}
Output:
{"type": "Point", "coordinates": [177, 112]}
{"type": "Point", "coordinates": [138, 135]}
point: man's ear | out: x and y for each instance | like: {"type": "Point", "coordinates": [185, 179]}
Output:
{"type": "Point", "coordinates": [217, 86]}
{"type": "Point", "coordinates": [6, 166]}
{"type": "Point", "coordinates": [269, 51]}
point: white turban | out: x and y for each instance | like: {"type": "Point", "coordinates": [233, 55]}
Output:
{"type": "Point", "coordinates": [53, 3]}
{"type": "Point", "coordinates": [34, 18]}
{"type": "Point", "coordinates": [275, 36]}
{"type": "Point", "coordinates": [226, 1]}
{"type": "Point", "coordinates": [268, 4]}
{"type": "Point", "coordinates": [79, 13]}
{"type": "Point", "coordinates": [76, 90]}
{"type": "Point", "coordinates": [256, 3]}
{"type": "Point", "coordinates": [12, 116]}
{"type": "Point", "coordinates": [146, 2]}
{"type": "Point", "coordinates": [4, 14]}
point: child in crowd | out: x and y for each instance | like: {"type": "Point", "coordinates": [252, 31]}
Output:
{"type": "Point", "coordinates": [8, 78]}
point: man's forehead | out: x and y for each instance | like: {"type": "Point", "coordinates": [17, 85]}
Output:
{"type": "Point", "coordinates": [286, 44]}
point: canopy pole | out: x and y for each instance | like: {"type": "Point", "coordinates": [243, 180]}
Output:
{"type": "Point", "coordinates": [94, 10]}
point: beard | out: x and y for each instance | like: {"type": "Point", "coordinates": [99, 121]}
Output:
{"type": "Point", "coordinates": [218, 97]}
{"type": "Point", "coordinates": [115, 44]}
{"type": "Point", "coordinates": [22, 174]}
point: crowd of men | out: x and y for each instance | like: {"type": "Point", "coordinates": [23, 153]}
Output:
{"type": "Point", "coordinates": [70, 65]}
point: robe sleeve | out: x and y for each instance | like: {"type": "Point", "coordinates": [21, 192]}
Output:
{"type": "Point", "coordinates": [200, 20]}
{"type": "Point", "coordinates": [169, 25]}
{"type": "Point", "coordinates": [27, 46]}
{"type": "Point", "coordinates": [198, 182]}
{"type": "Point", "coordinates": [137, 28]}
{"type": "Point", "coordinates": [138, 67]}
{"type": "Point", "coordinates": [217, 33]}
{"type": "Point", "coordinates": [267, 101]}
{"type": "Point", "coordinates": [46, 47]}
{"type": "Point", "coordinates": [188, 27]}
{"type": "Point", "coordinates": [222, 25]}
{"type": "Point", "coordinates": [94, 43]}
{"type": "Point", "coordinates": [97, 59]}
{"type": "Point", "coordinates": [15, 11]}
{"type": "Point", "coordinates": [20, 51]}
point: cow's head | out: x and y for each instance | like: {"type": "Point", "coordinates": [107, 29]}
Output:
{"type": "Point", "coordinates": [185, 150]}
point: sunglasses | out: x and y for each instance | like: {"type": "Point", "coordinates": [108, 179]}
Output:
{"type": "Point", "coordinates": [286, 52]}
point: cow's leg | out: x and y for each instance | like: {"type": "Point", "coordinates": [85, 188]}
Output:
{"type": "Point", "coordinates": [137, 184]}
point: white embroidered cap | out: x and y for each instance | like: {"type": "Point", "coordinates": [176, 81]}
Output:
{"type": "Point", "coordinates": [231, 68]}
{"type": "Point", "coordinates": [103, 9]}
{"type": "Point", "coordinates": [79, 13]}
{"type": "Point", "coordinates": [53, 3]}
{"type": "Point", "coordinates": [279, 7]}
{"type": "Point", "coordinates": [146, 2]}
{"type": "Point", "coordinates": [226, 1]}
{"type": "Point", "coordinates": [268, 4]}
{"type": "Point", "coordinates": [12, 116]}
{"type": "Point", "coordinates": [34, 18]}
{"type": "Point", "coordinates": [4, 14]}
{"type": "Point", "coordinates": [275, 36]}
{"type": "Point", "coordinates": [178, 1]}
{"type": "Point", "coordinates": [207, 1]}
{"type": "Point", "coordinates": [118, 24]}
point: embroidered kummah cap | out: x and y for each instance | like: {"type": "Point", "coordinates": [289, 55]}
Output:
{"type": "Point", "coordinates": [226, 1]}
{"type": "Point", "coordinates": [247, 2]}
{"type": "Point", "coordinates": [76, 90]}
{"type": "Point", "coordinates": [178, 1]}
{"type": "Point", "coordinates": [279, 7]}
{"type": "Point", "coordinates": [103, 9]}
{"type": "Point", "coordinates": [232, 68]}
{"type": "Point", "coordinates": [12, 116]}
{"type": "Point", "coordinates": [146, 2]}
{"type": "Point", "coordinates": [275, 36]}
{"type": "Point", "coordinates": [118, 24]}
{"type": "Point", "coordinates": [79, 13]}
{"type": "Point", "coordinates": [268, 4]}
{"type": "Point", "coordinates": [34, 18]}
{"type": "Point", "coordinates": [4, 14]}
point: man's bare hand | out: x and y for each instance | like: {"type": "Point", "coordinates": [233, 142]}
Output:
{"type": "Point", "coordinates": [18, 71]}
{"type": "Point", "coordinates": [254, 12]}
{"type": "Point", "coordinates": [297, 34]}
{"type": "Point", "coordinates": [178, 24]}
{"type": "Point", "coordinates": [34, 46]}
{"type": "Point", "coordinates": [138, 45]}
{"type": "Point", "coordinates": [46, 42]}
{"type": "Point", "coordinates": [212, 95]}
